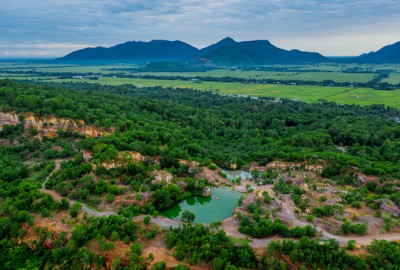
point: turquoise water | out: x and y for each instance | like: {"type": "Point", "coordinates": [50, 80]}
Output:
{"type": "Point", "coordinates": [207, 209]}
{"type": "Point", "coordinates": [231, 175]}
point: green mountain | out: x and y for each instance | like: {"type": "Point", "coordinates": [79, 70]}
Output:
{"type": "Point", "coordinates": [137, 51]}
{"type": "Point", "coordinates": [225, 52]}
{"type": "Point", "coordinates": [388, 54]}
{"type": "Point", "coordinates": [258, 52]}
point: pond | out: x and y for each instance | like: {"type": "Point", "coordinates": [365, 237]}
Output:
{"type": "Point", "coordinates": [231, 175]}
{"type": "Point", "coordinates": [219, 207]}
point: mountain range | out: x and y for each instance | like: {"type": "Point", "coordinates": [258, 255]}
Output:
{"type": "Point", "coordinates": [226, 52]}
{"type": "Point", "coordinates": [388, 54]}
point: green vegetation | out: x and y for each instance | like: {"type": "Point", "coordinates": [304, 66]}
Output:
{"type": "Point", "coordinates": [165, 126]}
{"type": "Point", "coordinates": [341, 83]}
{"type": "Point", "coordinates": [188, 216]}
{"type": "Point", "coordinates": [260, 225]}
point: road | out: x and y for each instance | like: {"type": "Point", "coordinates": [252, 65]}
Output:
{"type": "Point", "coordinates": [230, 225]}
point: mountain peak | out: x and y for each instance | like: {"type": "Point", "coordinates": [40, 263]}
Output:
{"type": "Point", "coordinates": [227, 40]}
{"type": "Point", "coordinates": [225, 52]}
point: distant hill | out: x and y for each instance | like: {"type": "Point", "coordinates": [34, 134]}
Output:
{"type": "Point", "coordinates": [137, 51]}
{"type": "Point", "coordinates": [388, 54]}
{"type": "Point", "coordinates": [225, 52]}
{"type": "Point", "coordinates": [257, 52]}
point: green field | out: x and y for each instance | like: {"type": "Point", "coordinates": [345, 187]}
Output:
{"type": "Point", "coordinates": [300, 92]}
{"type": "Point", "coordinates": [343, 95]}
{"type": "Point", "coordinates": [260, 75]}
{"type": "Point", "coordinates": [394, 78]}
{"type": "Point", "coordinates": [365, 96]}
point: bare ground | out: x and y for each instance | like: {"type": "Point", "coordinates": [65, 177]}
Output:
{"type": "Point", "coordinates": [230, 225]}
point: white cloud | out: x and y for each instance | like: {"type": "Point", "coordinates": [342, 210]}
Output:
{"type": "Point", "coordinates": [333, 27]}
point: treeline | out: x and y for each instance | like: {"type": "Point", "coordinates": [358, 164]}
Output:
{"type": "Point", "coordinates": [198, 245]}
{"type": "Point", "coordinates": [202, 125]}
{"type": "Point", "coordinates": [374, 83]}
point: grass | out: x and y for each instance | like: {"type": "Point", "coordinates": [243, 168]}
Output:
{"type": "Point", "coordinates": [260, 75]}
{"type": "Point", "coordinates": [329, 71]}
{"type": "Point", "coordinates": [300, 92]}
{"type": "Point", "coordinates": [366, 96]}
{"type": "Point", "coordinates": [341, 95]}
{"type": "Point", "coordinates": [239, 241]}
{"type": "Point", "coordinates": [92, 207]}
{"type": "Point", "coordinates": [394, 78]}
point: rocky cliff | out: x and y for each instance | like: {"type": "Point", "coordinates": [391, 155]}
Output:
{"type": "Point", "coordinates": [49, 126]}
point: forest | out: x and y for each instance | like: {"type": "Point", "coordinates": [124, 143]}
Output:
{"type": "Point", "coordinates": [167, 126]}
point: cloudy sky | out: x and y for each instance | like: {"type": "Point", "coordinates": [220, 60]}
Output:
{"type": "Point", "coordinates": [50, 28]}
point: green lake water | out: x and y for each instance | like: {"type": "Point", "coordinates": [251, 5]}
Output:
{"type": "Point", "coordinates": [207, 209]}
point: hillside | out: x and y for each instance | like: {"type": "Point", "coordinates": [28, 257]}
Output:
{"type": "Point", "coordinates": [257, 52]}
{"type": "Point", "coordinates": [225, 52]}
{"type": "Point", "coordinates": [388, 54]}
{"type": "Point", "coordinates": [322, 177]}
{"type": "Point", "coordinates": [155, 50]}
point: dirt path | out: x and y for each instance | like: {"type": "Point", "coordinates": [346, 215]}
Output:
{"type": "Point", "coordinates": [231, 224]}
{"type": "Point", "coordinates": [160, 221]}
{"type": "Point", "coordinates": [58, 197]}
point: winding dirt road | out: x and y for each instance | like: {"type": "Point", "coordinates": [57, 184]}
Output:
{"type": "Point", "coordinates": [160, 221]}
{"type": "Point", "coordinates": [231, 224]}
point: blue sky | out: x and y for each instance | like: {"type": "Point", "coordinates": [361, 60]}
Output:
{"type": "Point", "coordinates": [51, 28]}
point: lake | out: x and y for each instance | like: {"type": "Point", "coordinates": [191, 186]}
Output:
{"type": "Point", "coordinates": [207, 209]}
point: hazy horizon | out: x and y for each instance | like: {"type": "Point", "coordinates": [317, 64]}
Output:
{"type": "Point", "coordinates": [37, 29]}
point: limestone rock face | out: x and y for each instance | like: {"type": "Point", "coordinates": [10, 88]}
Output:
{"type": "Point", "coordinates": [162, 176]}
{"type": "Point", "coordinates": [49, 125]}
{"type": "Point", "coordinates": [8, 119]}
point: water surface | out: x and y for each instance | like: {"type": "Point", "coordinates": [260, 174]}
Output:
{"type": "Point", "coordinates": [219, 207]}
{"type": "Point", "coordinates": [232, 175]}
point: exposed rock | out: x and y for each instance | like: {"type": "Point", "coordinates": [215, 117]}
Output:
{"type": "Point", "coordinates": [181, 185]}
{"type": "Point", "coordinates": [49, 125]}
{"type": "Point", "coordinates": [192, 165]}
{"type": "Point", "coordinates": [314, 168]}
{"type": "Point", "coordinates": [124, 158]}
{"type": "Point", "coordinates": [162, 176]}
{"type": "Point", "coordinates": [87, 155]}
{"type": "Point", "coordinates": [206, 192]}
{"type": "Point", "coordinates": [305, 187]}
{"type": "Point", "coordinates": [392, 209]}
{"type": "Point", "coordinates": [8, 119]}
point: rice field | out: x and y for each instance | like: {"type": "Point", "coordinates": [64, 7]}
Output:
{"type": "Point", "coordinates": [342, 95]}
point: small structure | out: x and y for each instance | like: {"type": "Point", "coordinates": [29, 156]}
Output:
{"type": "Point", "coordinates": [196, 80]}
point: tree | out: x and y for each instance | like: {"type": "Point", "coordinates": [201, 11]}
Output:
{"type": "Point", "coordinates": [75, 209]}
{"type": "Point", "coordinates": [159, 266]}
{"type": "Point", "coordinates": [188, 216]}
{"type": "Point", "coordinates": [146, 220]}
{"type": "Point", "coordinates": [351, 244]}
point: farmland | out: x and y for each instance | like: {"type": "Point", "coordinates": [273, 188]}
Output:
{"type": "Point", "coordinates": [297, 82]}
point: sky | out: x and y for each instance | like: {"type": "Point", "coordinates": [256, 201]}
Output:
{"type": "Point", "coordinates": [53, 28]}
